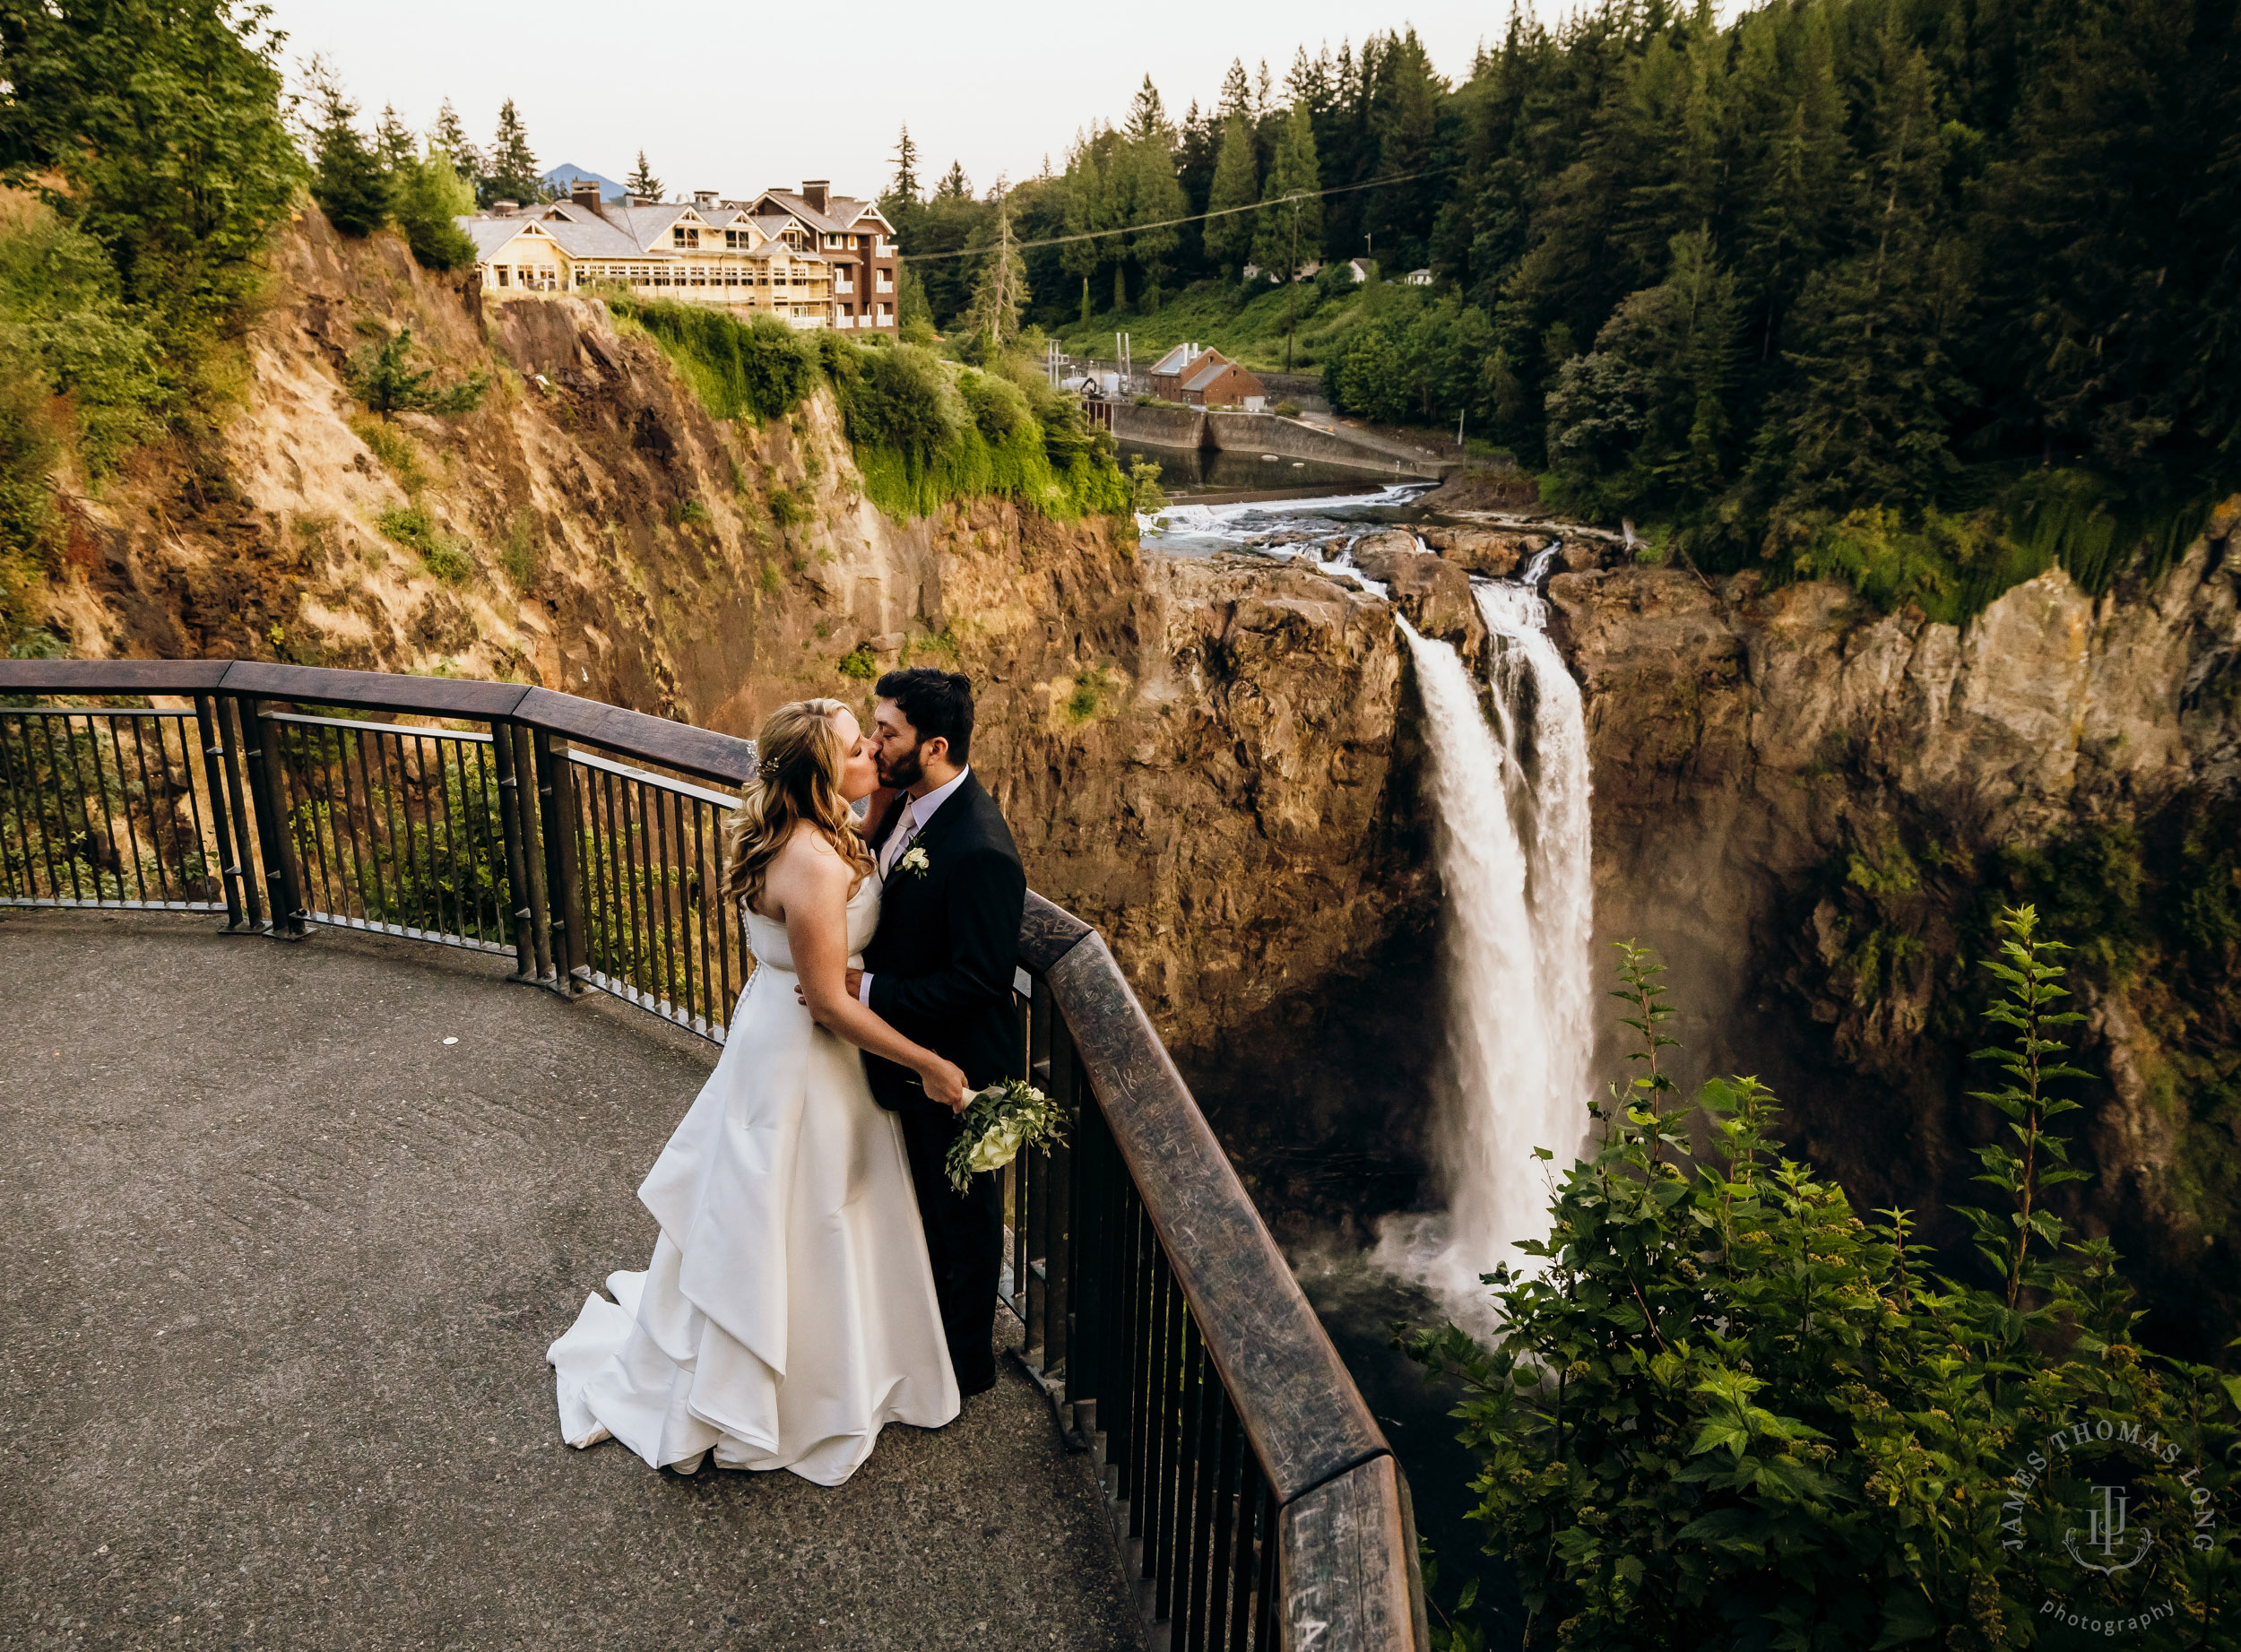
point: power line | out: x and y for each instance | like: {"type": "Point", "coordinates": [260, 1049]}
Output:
{"type": "Point", "coordinates": [1296, 196]}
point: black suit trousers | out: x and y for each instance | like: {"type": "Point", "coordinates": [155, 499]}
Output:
{"type": "Point", "coordinates": [964, 1242]}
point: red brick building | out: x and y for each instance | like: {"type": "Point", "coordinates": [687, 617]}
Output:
{"type": "Point", "coordinates": [853, 235]}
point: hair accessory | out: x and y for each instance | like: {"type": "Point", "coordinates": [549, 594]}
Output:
{"type": "Point", "coordinates": [768, 768]}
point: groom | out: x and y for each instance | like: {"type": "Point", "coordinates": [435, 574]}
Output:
{"type": "Point", "coordinates": [940, 971]}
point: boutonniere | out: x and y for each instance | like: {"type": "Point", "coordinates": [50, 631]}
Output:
{"type": "Point", "coordinates": [914, 862]}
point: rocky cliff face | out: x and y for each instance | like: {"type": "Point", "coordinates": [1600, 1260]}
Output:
{"type": "Point", "coordinates": [1813, 809]}
{"type": "Point", "coordinates": [1196, 757]}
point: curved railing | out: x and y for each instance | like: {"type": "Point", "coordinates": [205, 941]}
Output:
{"type": "Point", "coordinates": [1255, 1499]}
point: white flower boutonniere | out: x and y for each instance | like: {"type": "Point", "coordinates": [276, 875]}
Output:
{"type": "Point", "coordinates": [915, 862]}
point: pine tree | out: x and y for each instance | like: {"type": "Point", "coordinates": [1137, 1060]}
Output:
{"type": "Point", "coordinates": [1237, 92]}
{"type": "Point", "coordinates": [954, 185]}
{"type": "Point", "coordinates": [347, 179]}
{"type": "Point", "coordinates": [904, 188]}
{"type": "Point", "coordinates": [1867, 422]}
{"type": "Point", "coordinates": [1291, 227]}
{"type": "Point", "coordinates": [513, 175]}
{"type": "Point", "coordinates": [1229, 240]}
{"type": "Point", "coordinates": [449, 137]}
{"type": "Point", "coordinates": [1147, 117]}
{"type": "Point", "coordinates": [393, 144]}
{"type": "Point", "coordinates": [641, 181]}
{"type": "Point", "coordinates": [999, 292]}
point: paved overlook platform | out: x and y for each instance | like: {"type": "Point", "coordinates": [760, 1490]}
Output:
{"type": "Point", "coordinates": [281, 1265]}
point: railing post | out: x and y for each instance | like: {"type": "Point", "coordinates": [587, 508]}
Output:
{"type": "Point", "coordinates": [556, 803]}
{"type": "Point", "coordinates": [516, 862]}
{"type": "Point", "coordinates": [538, 895]}
{"type": "Point", "coordinates": [282, 887]}
{"type": "Point", "coordinates": [209, 726]}
{"type": "Point", "coordinates": [231, 735]}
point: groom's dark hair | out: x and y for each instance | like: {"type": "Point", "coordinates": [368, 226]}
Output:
{"type": "Point", "coordinates": [938, 704]}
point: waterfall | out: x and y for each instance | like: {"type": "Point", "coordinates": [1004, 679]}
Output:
{"type": "Point", "coordinates": [1510, 801]}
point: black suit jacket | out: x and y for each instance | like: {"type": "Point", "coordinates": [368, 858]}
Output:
{"type": "Point", "coordinates": [942, 959]}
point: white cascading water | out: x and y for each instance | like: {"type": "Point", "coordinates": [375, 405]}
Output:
{"type": "Point", "coordinates": [1511, 837]}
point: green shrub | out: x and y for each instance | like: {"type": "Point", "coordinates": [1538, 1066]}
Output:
{"type": "Point", "coordinates": [395, 451]}
{"type": "Point", "coordinates": [1729, 1411]}
{"type": "Point", "coordinates": [65, 327]}
{"type": "Point", "coordinates": [788, 507]}
{"type": "Point", "coordinates": [859, 666]}
{"type": "Point", "coordinates": [1287, 410]}
{"type": "Point", "coordinates": [689, 514]}
{"type": "Point", "coordinates": [997, 406]}
{"type": "Point", "coordinates": [755, 370]}
{"type": "Point", "coordinates": [425, 196]}
{"type": "Point", "coordinates": [443, 555]}
{"type": "Point", "coordinates": [522, 553]}
{"type": "Point", "coordinates": [905, 403]}
{"type": "Point", "coordinates": [383, 377]}
{"type": "Point", "coordinates": [447, 561]}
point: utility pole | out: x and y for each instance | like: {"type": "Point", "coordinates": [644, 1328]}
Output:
{"type": "Point", "coordinates": [1292, 298]}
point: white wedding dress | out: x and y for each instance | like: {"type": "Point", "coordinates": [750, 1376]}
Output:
{"type": "Point", "coordinates": [789, 1312]}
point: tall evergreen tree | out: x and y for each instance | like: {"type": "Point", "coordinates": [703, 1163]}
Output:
{"type": "Point", "coordinates": [1868, 419]}
{"type": "Point", "coordinates": [999, 290]}
{"type": "Point", "coordinates": [1229, 240]}
{"type": "Point", "coordinates": [1291, 227]}
{"type": "Point", "coordinates": [904, 188]}
{"type": "Point", "coordinates": [449, 135]}
{"type": "Point", "coordinates": [346, 179]}
{"type": "Point", "coordinates": [514, 170]}
{"type": "Point", "coordinates": [1237, 94]}
{"type": "Point", "coordinates": [641, 181]}
{"type": "Point", "coordinates": [954, 185]}
{"type": "Point", "coordinates": [394, 146]}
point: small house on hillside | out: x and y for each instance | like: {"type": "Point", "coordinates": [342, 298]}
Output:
{"type": "Point", "coordinates": [1214, 382]}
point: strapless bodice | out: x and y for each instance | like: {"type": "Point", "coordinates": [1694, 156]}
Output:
{"type": "Point", "coordinates": [766, 937]}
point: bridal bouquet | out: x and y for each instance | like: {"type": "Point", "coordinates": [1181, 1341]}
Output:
{"type": "Point", "coordinates": [999, 1122]}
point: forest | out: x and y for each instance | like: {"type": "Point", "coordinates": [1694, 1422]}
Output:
{"type": "Point", "coordinates": [1925, 294]}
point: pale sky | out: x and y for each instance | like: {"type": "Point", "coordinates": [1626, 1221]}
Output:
{"type": "Point", "coordinates": [738, 98]}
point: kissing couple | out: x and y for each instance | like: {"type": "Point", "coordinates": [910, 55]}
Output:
{"type": "Point", "coordinates": [817, 1276]}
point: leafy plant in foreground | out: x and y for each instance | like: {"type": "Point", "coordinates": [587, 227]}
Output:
{"type": "Point", "coordinates": [1727, 1411]}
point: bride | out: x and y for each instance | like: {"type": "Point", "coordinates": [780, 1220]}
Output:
{"type": "Point", "coordinates": [789, 1311]}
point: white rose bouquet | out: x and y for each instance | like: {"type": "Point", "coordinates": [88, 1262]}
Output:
{"type": "Point", "coordinates": [998, 1122]}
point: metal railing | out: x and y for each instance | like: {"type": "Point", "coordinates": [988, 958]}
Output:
{"type": "Point", "coordinates": [1254, 1499]}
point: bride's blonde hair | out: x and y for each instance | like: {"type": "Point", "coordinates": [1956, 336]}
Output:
{"type": "Point", "coordinates": [797, 780]}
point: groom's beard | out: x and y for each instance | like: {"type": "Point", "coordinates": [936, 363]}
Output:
{"type": "Point", "coordinates": [904, 772]}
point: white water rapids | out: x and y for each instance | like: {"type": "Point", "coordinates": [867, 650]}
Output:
{"type": "Point", "coordinates": [1510, 800]}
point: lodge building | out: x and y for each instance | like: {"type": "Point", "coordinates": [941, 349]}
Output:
{"type": "Point", "coordinates": [809, 257]}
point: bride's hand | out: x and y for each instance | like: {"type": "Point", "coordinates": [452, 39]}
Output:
{"type": "Point", "coordinates": [944, 1082]}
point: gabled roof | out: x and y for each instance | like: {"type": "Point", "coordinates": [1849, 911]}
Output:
{"type": "Point", "coordinates": [1176, 359]}
{"type": "Point", "coordinates": [1207, 369]}
{"type": "Point", "coordinates": [489, 234]}
{"type": "Point", "coordinates": [795, 206]}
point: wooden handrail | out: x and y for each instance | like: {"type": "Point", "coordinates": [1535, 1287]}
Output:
{"type": "Point", "coordinates": [1346, 1537]}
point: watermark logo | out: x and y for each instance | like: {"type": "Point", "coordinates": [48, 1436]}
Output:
{"type": "Point", "coordinates": [2104, 1529]}
{"type": "Point", "coordinates": [2100, 1498]}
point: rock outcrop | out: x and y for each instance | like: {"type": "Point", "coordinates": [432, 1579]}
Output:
{"type": "Point", "coordinates": [1810, 808]}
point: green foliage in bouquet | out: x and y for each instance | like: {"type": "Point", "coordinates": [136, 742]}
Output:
{"type": "Point", "coordinates": [997, 1123]}
{"type": "Point", "coordinates": [1729, 1411]}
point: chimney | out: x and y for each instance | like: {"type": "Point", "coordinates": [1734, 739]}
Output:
{"type": "Point", "coordinates": [505, 209]}
{"type": "Point", "coordinates": [816, 190]}
{"type": "Point", "coordinates": [704, 198]}
{"type": "Point", "coordinates": [584, 192]}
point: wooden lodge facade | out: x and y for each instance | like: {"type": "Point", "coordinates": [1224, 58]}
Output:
{"type": "Point", "coordinates": [810, 258]}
